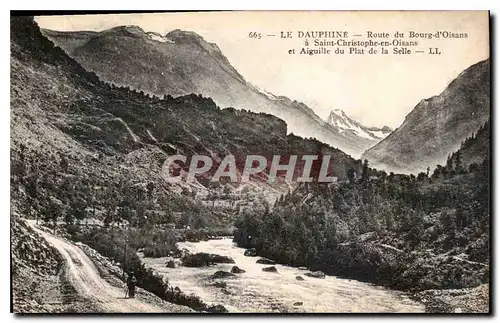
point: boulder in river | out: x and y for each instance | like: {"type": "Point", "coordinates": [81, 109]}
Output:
{"type": "Point", "coordinates": [316, 274]}
{"type": "Point", "coordinates": [171, 263]}
{"type": "Point", "coordinates": [218, 259]}
{"type": "Point", "coordinates": [265, 261]}
{"type": "Point", "coordinates": [252, 252]}
{"type": "Point", "coordinates": [196, 260]}
{"type": "Point", "coordinates": [202, 259]}
{"type": "Point", "coordinates": [299, 278]}
{"type": "Point", "coordinates": [271, 269]}
{"type": "Point", "coordinates": [237, 270]}
{"type": "Point", "coordinates": [222, 274]}
{"type": "Point", "coordinates": [298, 303]}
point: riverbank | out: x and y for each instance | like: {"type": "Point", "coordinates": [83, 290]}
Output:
{"type": "Point", "coordinates": [465, 300]}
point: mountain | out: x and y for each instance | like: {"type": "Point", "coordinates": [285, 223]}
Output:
{"type": "Point", "coordinates": [181, 63]}
{"type": "Point", "coordinates": [436, 126]}
{"type": "Point", "coordinates": [350, 127]}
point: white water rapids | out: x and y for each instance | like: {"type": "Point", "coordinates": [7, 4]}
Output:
{"type": "Point", "coordinates": [258, 291]}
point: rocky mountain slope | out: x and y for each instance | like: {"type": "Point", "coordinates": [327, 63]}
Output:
{"type": "Point", "coordinates": [181, 63]}
{"type": "Point", "coordinates": [436, 126]}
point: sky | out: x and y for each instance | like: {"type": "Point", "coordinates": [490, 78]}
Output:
{"type": "Point", "coordinates": [376, 89]}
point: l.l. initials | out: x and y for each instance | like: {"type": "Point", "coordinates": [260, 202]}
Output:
{"type": "Point", "coordinates": [434, 51]}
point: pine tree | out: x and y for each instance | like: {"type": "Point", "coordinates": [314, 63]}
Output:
{"type": "Point", "coordinates": [351, 175]}
{"type": "Point", "coordinates": [458, 162]}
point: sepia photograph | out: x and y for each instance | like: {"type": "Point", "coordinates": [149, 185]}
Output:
{"type": "Point", "coordinates": [222, 162]}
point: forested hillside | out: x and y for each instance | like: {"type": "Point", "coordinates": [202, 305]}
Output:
{"type": "Point", "coordinates": [429, 231]}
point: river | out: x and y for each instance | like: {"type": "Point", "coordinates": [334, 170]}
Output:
{"type": "Point", "coordinates": [258, 291]}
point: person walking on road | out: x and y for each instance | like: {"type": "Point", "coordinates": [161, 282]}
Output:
{"type": "Point", "coordinates": [131, 283]}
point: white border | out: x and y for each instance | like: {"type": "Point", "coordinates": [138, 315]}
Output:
{"type": "Point", "coordinates": [492, 5]}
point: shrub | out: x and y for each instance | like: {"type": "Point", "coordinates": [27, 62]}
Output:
{"type": "Point", "coordinates": [159, 250]}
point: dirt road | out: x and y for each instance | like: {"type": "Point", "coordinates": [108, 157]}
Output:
{"type": "Point", "coordinates": [84, 276]}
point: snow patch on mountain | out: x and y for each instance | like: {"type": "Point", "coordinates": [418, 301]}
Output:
{"type": "Point", "coordinates": [380, 134]}
{"type": "Point", "coordinates": [159, 38]}
{"type": "Point", "coordinates": [267, 94]}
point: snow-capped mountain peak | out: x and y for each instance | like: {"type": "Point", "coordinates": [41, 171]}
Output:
{"type": "Point", "coordinates": [345, 124]}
